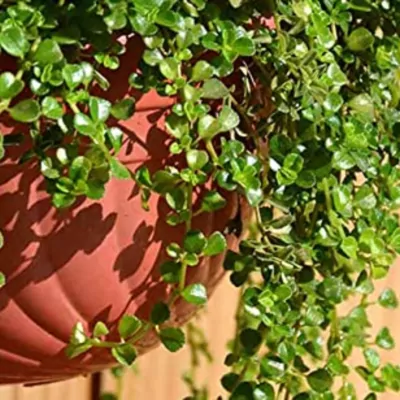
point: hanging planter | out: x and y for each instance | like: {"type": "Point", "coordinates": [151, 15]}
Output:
{"type": "Point", "coordinates": [98, 260]}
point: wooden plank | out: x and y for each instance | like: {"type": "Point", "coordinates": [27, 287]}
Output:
{"type": "Point", "coordinates": [75, 389]}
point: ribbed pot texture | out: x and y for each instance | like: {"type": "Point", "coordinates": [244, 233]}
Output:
{"type": "Point", "coordinates": [94, 261]}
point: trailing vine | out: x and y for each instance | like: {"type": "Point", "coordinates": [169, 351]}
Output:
{"type": "Point", "coordinates": [300, 117]}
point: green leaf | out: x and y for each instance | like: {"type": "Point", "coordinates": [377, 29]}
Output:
{"type": "Point", "coordinates": [236, 4]}
{"type": "Point", "coordinates": [384, 339]}
{"type": "Point", "coordinates": [363, 103]}
{"type": "Point", "coordinates": [216, 244]}
{"type": "Point", "coordinates": [229, 381]}
{"type": "Point", "coordinates": [250, 339]}
{"type": "Point", "coordinates": [208, 127]}
{"type": "Point", "coordinates": [388, 299]}
{"type": "Point", "coordinates": [116, 20]}
{"type": "Point", "coordinates": [360, 39]}
{"type": "Point", "coordinates": [214, 89]}
{"type": "Point", "coordinates": [197, 159]}
{"type": "Point", "coordinates": [80, 168]}
{"type": "Point", "coordinates": [128, 326]}
{"type": "Point", "coordinates": [10, 86]}
{"type": "Point", "coordinates": [283, 292]}
{"type": "Point", "coordinates": [99, 109]}
{"type": "Point", "coordinates": [194, 242]}
{"type": "Point", "coordinates": [152, 57]}
{"type": "Point", "coordinates": [160, 313]}
{"type": "Point", "coordinates": [343, 160]}
{"type": "Point", "coordinates": [336, 365]}
{"type": "Point", "coordinates": [333, 102]}
{"type": "Point", "coordinates": [75, 350]}
{"type": "Point", "coordinates": [170, 68]}
{"type": "Point", "coordinates": [115, 136]}
{"type": "Point", "coordinates": [337, 76]}
{"type": "Point", "coordinates": [391, 376]}
{"type": "Point", "coordinates": [350, 247]}
{"type": "Point", "coordinates": [74, 75]}
{"type": "Point", "coordinates": [244, 390]}
{"type": "Point", "coordinates": [100, 330]}
{"type": "Point", "coordinates": [124, 109]}
{"type": "Point", "coordinates": [48, 52]}
{"type": "Point", "coordinates": [13, 41]}
{"type": "Point", "coordinates": [375, 384]}
{"type": "Point", "coordinates": [119, 170]}
{"type": "Point", "coordinates": [306, 179]}
{"type": "Point", "coordinates": [321, 24]}
{"type": "Point", "coordinates": [195, 294]}
{"type": "Point", "coordinates": [286, 351]}
{"type": "Point", "coordinates": [51, 108]}
{"type": "Point", "coordinates": [63, 200]}
{"type": "Point", "coordinates": [293, 162]}
{"type": "Point", "coordinates": [264, 391]}
{"type": "Point", "coordinates": [314, 316]}
{"type": "Point", "coordinates": [342, 199]}
{"type": "Point", "coordinates": [172, 338]}
{"type": "Point", "coordinates": [177, 126]}
{"type": "Point", "coordinates": [84, 125]}
{"type": "Point", "coordinates": [202, 71]}
{"type": "Point", "coordinates": [125, 354]}
{"type": "Point", "coordinates": [365, 198]}
{"type": "Point", "coordinates": [272, 367]}
{"type": "Point", "coordinates": [254, 196]}
{"type": "Point", "coordinates": [244, 46]}
{"type": "Point", "coordinates": [164, 181]}
{"type": "Point", "coordinates": [372, 359]}
{"type": "Point", "coordinates": [26, 111]}
{"type": "Point", "coordinates": [228, 119]}
{"type": "Point", "coordinates": [78, 335]}
{"type": "Point", "coordinates": [320, 380]}
{"type": "Point", "coordinates": [347, 392]}
{"type": "Point", "coordinates": [170, 271]}
{"type": "Point", "coordinates": [334, 289]}
{"type": "Point", "coordinates": [46, 168]}
{"type": "Point", "coordinates": [212, 201]}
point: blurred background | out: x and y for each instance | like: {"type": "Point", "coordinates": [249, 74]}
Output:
{"type": "Point", "coordinates": [158, 375]}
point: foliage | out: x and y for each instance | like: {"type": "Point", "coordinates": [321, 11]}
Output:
{"type": "Point", "coordinates": [319, 167]}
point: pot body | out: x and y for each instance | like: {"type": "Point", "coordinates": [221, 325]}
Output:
{"type": "Point", "coordinates": [94, 261]}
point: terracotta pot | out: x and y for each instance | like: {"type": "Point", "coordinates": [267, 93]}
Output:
{"type": "Point", "coordinates": [95, 261]}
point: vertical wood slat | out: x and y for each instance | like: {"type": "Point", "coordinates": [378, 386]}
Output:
{"type": "Point", "coordinates": [76, 389]}
{"type": "Point", "coordinates": [160, 372]}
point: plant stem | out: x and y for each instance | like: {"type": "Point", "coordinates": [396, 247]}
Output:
{"type": "Point", "coordinates": [327, 194]}
{"type": "Point", "coordinates": [237, 321]}
{"type": "Point", "coordinates": [182, 278]}
{"type": "Point", "coordinates": [287, 395]}
{"type": "Point", "coordinates": [211, 150]}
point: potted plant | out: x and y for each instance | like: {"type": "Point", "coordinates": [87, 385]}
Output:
{"type": "Point", "coordinates": [223, 129]}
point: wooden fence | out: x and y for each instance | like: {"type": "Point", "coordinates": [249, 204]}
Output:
{"type": "Point", "coordinates": [159, 373]}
